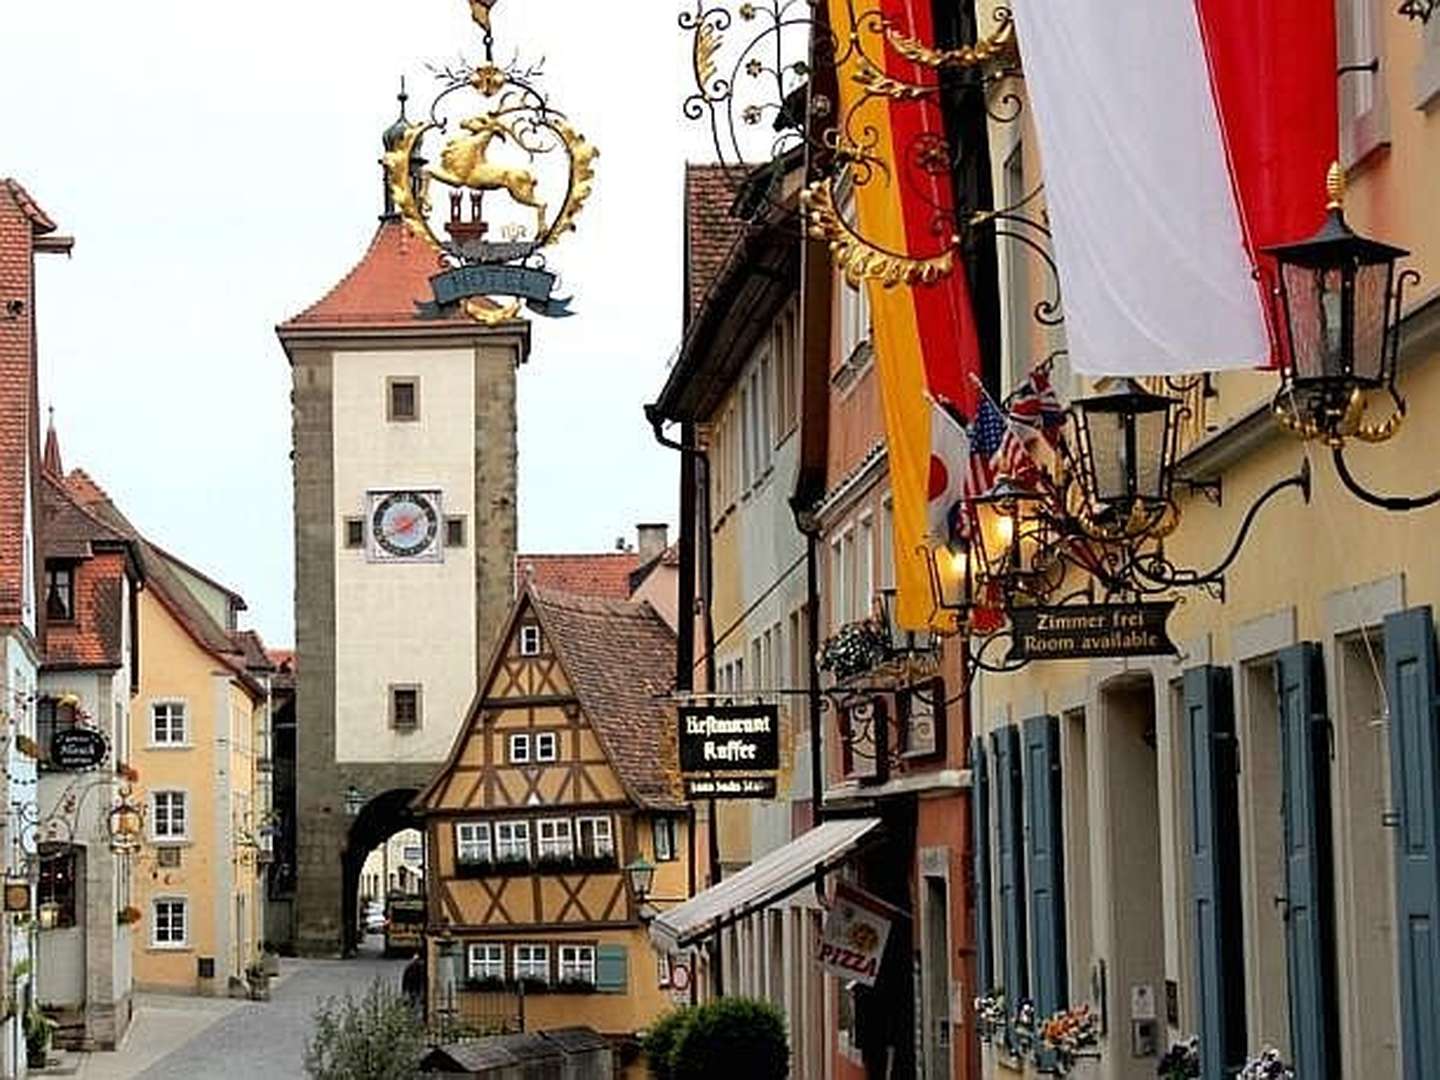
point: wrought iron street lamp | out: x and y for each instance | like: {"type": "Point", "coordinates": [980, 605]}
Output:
{"type": "Point", "coordinates": [641, 875]}
{"type": "Point", "coordinates": [1126, 441]}
{"type": "Point", "coordinates": [951, 579]}
{"type": "Point", "coordinates": [1340, 316]}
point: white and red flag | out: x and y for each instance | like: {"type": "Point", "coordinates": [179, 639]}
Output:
{"type": "Point", "coordinates": [949, 460]}
{"type": "Point", "coordinates": [1178, 138]}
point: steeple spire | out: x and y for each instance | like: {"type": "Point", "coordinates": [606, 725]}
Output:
{"type": "Point", "coordinates": [51, 461]}
{"type": "Point", "coordinates": [390, 140]}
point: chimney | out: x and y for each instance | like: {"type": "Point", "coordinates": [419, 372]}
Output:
{"type": "Point", "coordinates": [652, 540]}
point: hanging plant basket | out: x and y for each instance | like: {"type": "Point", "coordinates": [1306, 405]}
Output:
{"type": "Point", "coordinates": [855, 649]}
{"type": "Point", "coordinates": [128, 916]}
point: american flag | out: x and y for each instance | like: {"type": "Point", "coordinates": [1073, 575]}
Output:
{"type": "Point", "coordinates": [987, 432]}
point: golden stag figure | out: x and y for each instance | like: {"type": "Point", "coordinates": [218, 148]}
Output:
{"type": "Point", "coordinates": [463, 164]}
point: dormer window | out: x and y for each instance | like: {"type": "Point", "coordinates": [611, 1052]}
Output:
{"type": "Point", "coordinates": [60, 593]}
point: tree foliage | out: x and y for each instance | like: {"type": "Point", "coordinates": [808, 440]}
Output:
{"type": "Point", "coordinates": [375, 1037]}
{"type": "Point", "coordinates": [659, 1042]}
{"type": "Point", "coordinates": [732, 1037]}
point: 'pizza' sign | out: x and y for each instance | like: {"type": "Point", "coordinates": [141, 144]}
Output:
{"type": "Point", "coordinates": [852, 943]}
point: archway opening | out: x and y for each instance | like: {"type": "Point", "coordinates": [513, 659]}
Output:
{"type": "Point", "coordinates": [383, 834]}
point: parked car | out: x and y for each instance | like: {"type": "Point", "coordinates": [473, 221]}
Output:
{"type": "Point", "coordinates": [372, 918]}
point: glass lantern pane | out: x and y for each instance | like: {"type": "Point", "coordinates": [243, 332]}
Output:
{"type": "Point", "coordinates": [1371, 294]}
{"type": "Point", "coordinates": [997, 529]}
{"type": "Point", "coordinates": [951, 569]}
{"type": "Point", "coordinates": [1108, 457]}
{"type": "Point", "coordinates": [1150, 450]}
{"type": "Point", "coordinates": [1313, 305]}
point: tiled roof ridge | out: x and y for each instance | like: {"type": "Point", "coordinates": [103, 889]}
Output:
{"type": "Point", "coordinates": [39, 220]}
{"type": "Point", "coordinates": [594, 605]}
{"type": "Point", "coordinates": [385, 223]}
{"type": "Point", "coordinates": [63, 489]}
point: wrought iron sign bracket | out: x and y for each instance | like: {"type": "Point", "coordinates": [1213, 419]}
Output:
{"type": "Point", "coordinates": [1399, 503]}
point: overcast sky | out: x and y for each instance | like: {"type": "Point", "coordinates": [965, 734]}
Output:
{"type": "Point", "coordinates": [217, 166]}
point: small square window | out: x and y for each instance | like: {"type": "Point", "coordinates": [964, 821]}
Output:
{"type": "Point", "coordinates": [519, 749]}
{"type": "Point", "coordinates": [530, 640]}
{"type": "Point", "coordinates": [167, 723]}
{"type": "Point", "coordinates": [486, 962]}
{"type": "Point", "coordinates": [403, 399]}
{"type": "Point", "coordinates": [472, 842]}
{"type": "Point", "coordinates": [354, 532]}
{"type": "Point", "coordinates": [405, 708]}
{"type": "Point", "coordinates": [532, 962]}
{"type": "Point", "coordinates": [167, 858]}
{"type": "Point", "coordinates": [454, 532]}
{"type": "Point", "coordinates": [547, 746]}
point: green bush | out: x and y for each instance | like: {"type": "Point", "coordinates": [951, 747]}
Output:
{"type": "Point", "coordinates": [659, 1042]}
{"type": "Point", "coordinates": [732, 1037]}
{"type": "Point", "coordinates": [377, 1037]}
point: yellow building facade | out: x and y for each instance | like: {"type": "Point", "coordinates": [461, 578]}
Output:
{"type": "Point", "coordinates": [197, 728]}
{"type": "Point", "coordinates": [563, 775]}
{"type": "Point", "coordinates": [1280, 738]}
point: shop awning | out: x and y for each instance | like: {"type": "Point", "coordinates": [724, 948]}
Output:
{"type": "Point", "coordinates": [778, 875]}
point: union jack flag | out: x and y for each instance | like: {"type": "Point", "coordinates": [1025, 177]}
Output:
{"type": "Point", "coordinates": [1036, 405]}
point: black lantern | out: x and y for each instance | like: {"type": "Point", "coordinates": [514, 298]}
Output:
{"type": "Point", "coordinates": [1340, 313]}
{"type": "Point", "coordinates": [951, 580]}
{"type": "Point", "coordinates": [1126, 439]}
{"type": "Point", "coordinates": [641, 873]}
{"type": "Point", "coordinates": [1012, 530]}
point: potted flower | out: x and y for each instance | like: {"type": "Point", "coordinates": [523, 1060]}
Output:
{"type": "Point", "coordinates": [1267, 1065]}
{"type": "Point", "coordinates": [1068, 1036]}
{"type": "Point", "coordinates": [39, 1030]}
{"type": "Point", "coordinates": [1181, 1061]}
{"type": "Point", "coordinates": [990, 1014]}
{"type": "Point", "coordinates": [128, 916]}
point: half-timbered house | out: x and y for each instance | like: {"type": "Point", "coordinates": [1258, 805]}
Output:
{"type": "Point", "coordinates": [563, 773]}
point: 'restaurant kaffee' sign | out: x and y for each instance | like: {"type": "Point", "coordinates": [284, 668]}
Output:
{"type": "Point", "coordinates": [729, 738]}
{"type": "Point", "coordinates": [852, 943]}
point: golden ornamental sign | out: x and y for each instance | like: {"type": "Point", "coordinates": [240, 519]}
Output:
{"type": "Point", "coordinates": [515, 176]}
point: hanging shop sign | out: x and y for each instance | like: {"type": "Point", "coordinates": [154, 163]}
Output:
{"type": "Point", "coordinates": [729, 738]}
{"type": "Point", "coordinates": [730, 787]}
{"type": "Point", "coordinates": [1089, 631]}
{"type": "Point", "coordinates": [852, 942]}
{"type": "Point", "coordinates": [78, 749]}
{"type": "Point", "coordinates": [17, 897]}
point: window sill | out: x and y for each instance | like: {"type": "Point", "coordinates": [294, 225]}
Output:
{"type": "Point", "coordinates": [162, 948]}
{"type": "Point", "coordinates": [170, 746]}
{"type": "Point", "coordinates": [171, 841]}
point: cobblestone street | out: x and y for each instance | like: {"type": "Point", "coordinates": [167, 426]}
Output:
{"type": "Point", "coordinates": [180, 1038]}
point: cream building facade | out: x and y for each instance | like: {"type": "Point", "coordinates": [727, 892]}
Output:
{"type": "Point", "coordinates": [1245, 833]}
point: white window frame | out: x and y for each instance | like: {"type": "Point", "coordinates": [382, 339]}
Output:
{"type": "Point", "coordinates": [512, 841]}
{"type": "Point", "coordinates": [544, 740]}
{"type": "Point", "coordinates": [481, 960]}
{"type": "Point", "coordinates": [666, 827]}
{"type": "Point", "coordinates": [532, 962]}
{"type": "Point", "coordinates": [170, 742]}
{"type": "Point", "coordinates": [173, 903]}
{"type": "Point", "coordinates": [599, 825]}
{"type": "Point", "coordinates": [169, 836]}
{"type": "Point", "coordinates": [530, 640]}
{"type": "Point", "coordinates": [555, 838]}
{"type": "Point", "coordinates": [473, 836]}
{"type": "Point", "coordinates": [662, 969]}
{"type": "Point", "coordinates": [1364, 102]}
{"type": "Point", "coordinates": [577, 964]}
{"type": "Point", "coordinates": [516, 742]}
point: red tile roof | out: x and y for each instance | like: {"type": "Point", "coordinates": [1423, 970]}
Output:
{"type": "Point", "coordinates": [383, 289]}
{"type": "Point", "coordinates": [620, 659]}
{"type": "Point", "coordinates": [22, 225]}
{"type": "Point", "coordinates": [710, 230]}
{"type": "Point", "coordinates": [604, 575]}
{"type": "Point", "coordinates": [93, 636]}
{"type": "Point", "coordinates": [162, 582]}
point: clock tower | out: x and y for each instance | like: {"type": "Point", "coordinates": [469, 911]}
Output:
{"type": "Point", "coordinates": [404, 499]}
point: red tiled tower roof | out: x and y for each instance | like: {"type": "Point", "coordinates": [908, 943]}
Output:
{"type": "Point", "coordinates": [51, 460]}
{"type": "Point", "coordinates": [384, 288]}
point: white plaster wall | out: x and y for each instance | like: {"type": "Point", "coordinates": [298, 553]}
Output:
{"type": "Point", "coordinates": [18, 682]}
{"type": "Point", "coordinates": [397, 622]}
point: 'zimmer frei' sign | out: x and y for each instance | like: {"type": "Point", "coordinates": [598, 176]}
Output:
{"type": "Point", "coordinates": [852, 943]}
{"type": "Point", "coordinates": [1086, 631]}
{"type": "Point", "coordinates": [729, 738]}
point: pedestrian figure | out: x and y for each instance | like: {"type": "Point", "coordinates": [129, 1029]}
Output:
{"type": "Point", "coordinates": [413, 983]}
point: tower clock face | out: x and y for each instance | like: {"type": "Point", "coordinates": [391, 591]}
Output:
{"type": "Point", "coordinates": [405, 525]}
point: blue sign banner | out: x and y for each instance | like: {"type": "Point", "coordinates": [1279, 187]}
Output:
{"type": "Point", "coordinates": [533, 286]}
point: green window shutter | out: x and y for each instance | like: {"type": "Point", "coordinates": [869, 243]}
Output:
{"type": "Point", "coordinates": [1045, 866]}
{"type": "Point", "coordinates": [611, 966]}
{"type": "Point", "coordinates": [1215, 853]}
{"type": "Point", "coordinates": [1410, 669]}
{"type": "Point", "coordinates": [1309, 862]}
{"type": "Point", "coordinates": [1009, 813]}
{"type": "Point", "coordinates": [980, 810]}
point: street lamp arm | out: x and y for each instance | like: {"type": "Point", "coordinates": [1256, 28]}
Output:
{"type": "Point", "coordinates": [1384, 502]}
{"type": "Point", "coordinates": [1156, 570]}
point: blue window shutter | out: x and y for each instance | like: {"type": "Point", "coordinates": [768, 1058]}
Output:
{"type": "Point", "coordinates": [611, 968]}
{"type": "Point", "coordinates": [1309, 874]}
{"type": "Point", "coordinates": [1011, 852]}
{"type": "Point", "coordinates": [980, 816]}
{"type": "Point", "coordinates": [1215, 855]}
{"type": "Point", "coordinates": [1410, 671]}
{"type": "Point", "coordinates": [1046, 865]}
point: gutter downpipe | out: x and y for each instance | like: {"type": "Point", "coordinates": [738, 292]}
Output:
{"type": "Point", "coordinates": [695, 482]}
